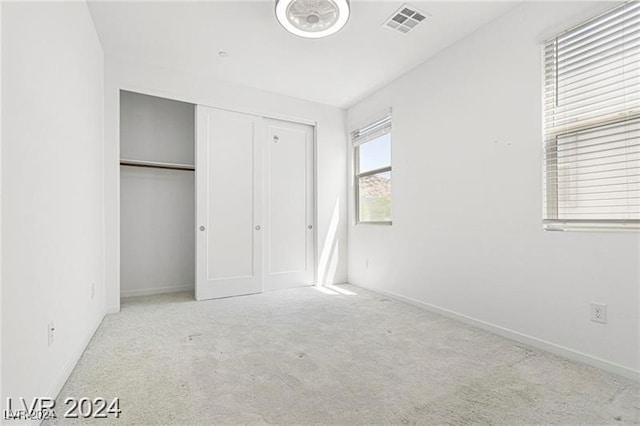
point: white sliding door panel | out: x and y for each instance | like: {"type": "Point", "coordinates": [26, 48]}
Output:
{"type": "Point", "coordinates": [289, 205]}
{"type": "Point", "coordinates": [228, 168]}
{"type": "Point", "coordinates": [287, 201]}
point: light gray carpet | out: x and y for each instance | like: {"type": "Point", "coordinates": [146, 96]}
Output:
{"type": "Point", "coordinates": [301, 356]}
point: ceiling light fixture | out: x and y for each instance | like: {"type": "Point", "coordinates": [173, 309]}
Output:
{"type": "Point", "coordinates": [312, 18]}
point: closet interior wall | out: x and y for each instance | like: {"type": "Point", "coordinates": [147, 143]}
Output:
{"type": "Point", "coordinates": [157, 205]}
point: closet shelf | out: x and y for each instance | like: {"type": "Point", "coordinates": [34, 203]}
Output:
{"type": "Point", "coordinates": [157, 165]}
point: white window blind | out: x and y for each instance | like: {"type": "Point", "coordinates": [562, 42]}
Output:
{"type": "Point", "coordinates": [374, 130]}
{"type": "Point", "coordinates": [592, 123]}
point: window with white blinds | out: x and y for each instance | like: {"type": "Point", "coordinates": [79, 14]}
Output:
{"type": "Point", "coordinates": [592, 123]}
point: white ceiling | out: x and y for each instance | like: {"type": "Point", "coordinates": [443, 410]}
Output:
{"type": "Point", "coordinates": [337, 70]}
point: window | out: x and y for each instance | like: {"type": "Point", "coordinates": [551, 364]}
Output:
{"type": "Point", "coordinates": [373, 172]}
{"type": "Point", "coordinates": [592, 123]}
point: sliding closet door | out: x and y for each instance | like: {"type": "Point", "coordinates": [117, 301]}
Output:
{"type": "Point", "coordinates": [229, 235]}
{"type": "Point", "coordinates": [289, 205]}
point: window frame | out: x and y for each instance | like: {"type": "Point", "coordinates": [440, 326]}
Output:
{"type": "Point", "coordinates": [357, 175]}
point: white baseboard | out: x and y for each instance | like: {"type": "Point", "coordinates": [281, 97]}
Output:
{"type": "Point", "coordinates": [561, 351]}
{"type": "Point", "coordinates": [63, 376]}
{"type": "Point", "coordinates": [155, 290]}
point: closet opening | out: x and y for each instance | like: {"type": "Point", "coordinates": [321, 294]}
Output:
{"type": "Point", "coordinates": [157, 195]}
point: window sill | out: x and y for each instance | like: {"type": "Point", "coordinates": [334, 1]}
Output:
{"type": "Point", "coordinates": [586, 226]}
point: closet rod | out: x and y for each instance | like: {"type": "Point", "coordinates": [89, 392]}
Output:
{"type": "Point", "coordinates": [156, 165]}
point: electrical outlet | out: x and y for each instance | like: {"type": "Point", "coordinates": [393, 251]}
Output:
{"type": "Point", "coordinates": [51, 328]}
{"type": "Point", "coordinates": [93, 290]}
{"type": "Point", "coordinates": [599, 313]}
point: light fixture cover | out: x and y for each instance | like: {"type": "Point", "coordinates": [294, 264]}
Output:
{"type": "Point", "coordinates": [312, 18]}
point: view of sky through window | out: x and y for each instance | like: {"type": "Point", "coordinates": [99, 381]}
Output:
{"type": "Point", "coordinates": [376, 153]}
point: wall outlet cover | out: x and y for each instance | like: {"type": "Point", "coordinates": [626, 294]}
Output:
{"type": "Point", "coordinates": [599, 313]}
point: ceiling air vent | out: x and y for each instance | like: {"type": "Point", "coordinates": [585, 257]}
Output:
{"type": "Point", "coordinates": [405, 19]}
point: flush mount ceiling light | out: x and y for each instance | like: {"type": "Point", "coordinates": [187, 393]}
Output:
{"type": "Point", "coordinates": [312, 18]}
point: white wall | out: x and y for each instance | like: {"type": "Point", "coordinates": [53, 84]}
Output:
{"type": "Point", "coordinates": [331, 154]}
{"type": "Point", "coordinates": [157, 207]}
{"type": "Point", "coordinates": [52, 189]}
{"type": "Point", "coordinates": [156, 129]}
{"type": "Point", "coordinates": [2, 398]}
{"type": "Point", "coordinates": [157, 234]}
{"type": "Point", "coordinates": [467, 236]}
